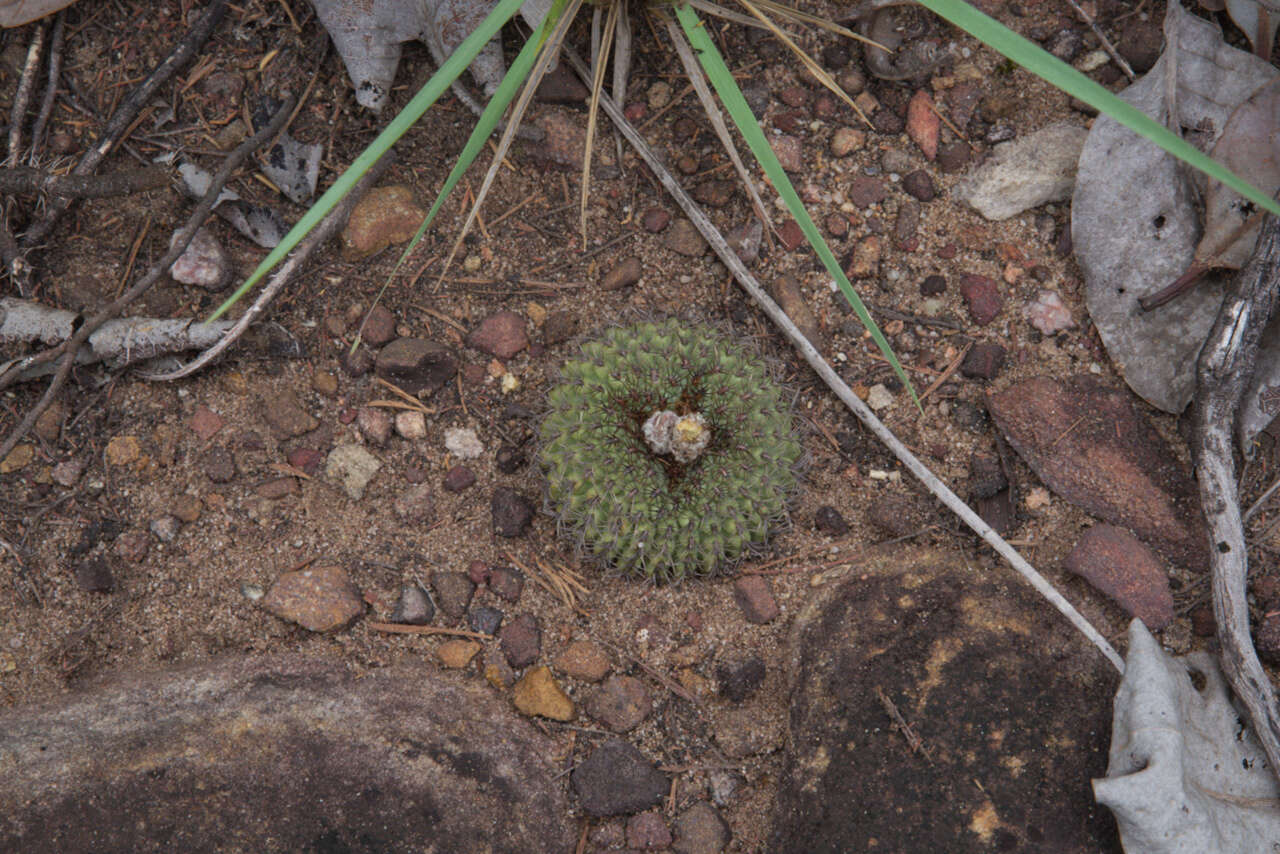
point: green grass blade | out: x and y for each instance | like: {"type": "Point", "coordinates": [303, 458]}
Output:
{"type": "Point", "coordinates": [488, 121]}
{"type": "Point", "coordinates": [1042, 64]}
{"type": "Point", "coordinates": [736, 105]}
{"type": "Point", "coordinates": [427, 95]}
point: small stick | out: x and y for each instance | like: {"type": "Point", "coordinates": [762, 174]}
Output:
{"type": "Point", "coordinates": [900, 724]}
{"type": "Point", "coordinates": [405, 629]}
{"type": "Point", "coordinates": [906, 317]}
{"type": "Point", "coordinates": [946, 374]}
{"type": "Point", "coordinates": [22, 100]}
{"type": "Point", "coordinates": [68, 349]}
{"type": "Point", "coordinates": [123, 117]}
{"type": "Point", "coordinates": [51, 89]}
{"type": "Point", "coordinates": [25, 179]}
{"type": "Point", "coordinates": [1102, 38]}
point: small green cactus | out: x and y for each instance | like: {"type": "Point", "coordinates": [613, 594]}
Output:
{"type": "Point", "coordinates": [668, 450]}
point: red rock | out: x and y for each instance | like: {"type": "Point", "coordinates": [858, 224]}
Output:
{"type": "Point", "coordinates": [306, 459]}
{"type": "Point", "coordinates": [983, 361]}
{"type": "Point", "coordinates": [1089, 445]}
{"type": "Point", "coordinates": [624, 274]}
{"type": "Point", "coordinates": [865, 191]}
{"type": "Point", "coordinates": [205, 423]}
{"type": "Point", "coordinates": [923, 123]}
{"type": "Point", "coordinates": [982, 295]}
{"type": "Point", "coordinates": [521, 640]}
{"type": "Point", "coordinates": [648, 830]}
{"type": "Point", "coordinates": [755, 598]}
{"type": "Point", "coordinates": [1119, 565]}
{"type": "Point", "coordinates": [655, 220]}
{"type": "Point", "coordinates": [379, 326]}
{"type": "Point", "coordinates": [790, 235]}
{"type": "Point", "coordinates": [621, 703]}
{"type": "Point", "coordinates": [501, 335]}
{"type": "Point", "coordinates": [583, 660]}
{"type": "Point", "coordinates": [320, 599]}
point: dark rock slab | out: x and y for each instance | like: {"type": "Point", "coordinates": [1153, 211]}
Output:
{"type": "Point", "coordinates": [279, 754]}
{"type": "Point", "coordinates": [996, 685]}
{"type": "Point", "coordinates": [1088, 444]}
{"type": "Point", "coordinates": [1118, 564]}
{"type": "Point", "coordinates": [616, 779]}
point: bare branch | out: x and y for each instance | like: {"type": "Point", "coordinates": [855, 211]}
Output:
{"type": "Point", "coordinates": [1224, 369]}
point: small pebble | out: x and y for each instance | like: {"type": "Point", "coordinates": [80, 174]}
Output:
{"type": "Point", "coordinates": [414, 607]}
{"type": "Point", "coordinates": [879, 397]}
{"type": "Point", "coordinates": [459, 478]}
{"type": "Point", "coordinates": [521, 640]}
{"type": "Point", "coordinates": [755, 598]}
{"type": "Point", "coordinates": [583, 660]}
{"type": "Point", "coordinates": [411, 425]}
{"type": "Point", "coordinates": [485, 619]}
{"type": "Point", "coordinates": [457, 652]}
{"type": "Point", "coordinates": [621, 703]}
{"type": "Point", "coordinates": [165, 528]}
{"type": "Point", "coordinates": [537, 694]}
{"type": "Point", "coordinates": [512, 512]}
{"type": "Point", "coordinates": [828, 520]}
{"type": "Point", "coordinates": [453, 592]}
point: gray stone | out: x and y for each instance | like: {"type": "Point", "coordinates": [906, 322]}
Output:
{"type": "Point", "coordinates": [287, 753]}
{"type": "Point", "coordinates": [616, 779]}
{"type": "Point", "coordinates": [1025, 173]}
{"type": "Point", "coordinates": [353, 467]}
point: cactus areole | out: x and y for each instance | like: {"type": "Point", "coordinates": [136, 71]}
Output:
{"type": "Point", "coordinates": [668, 450]}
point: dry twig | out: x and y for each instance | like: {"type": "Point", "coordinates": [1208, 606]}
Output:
{"type": "Point", "coordinates": [1223, 372]}
{"type": "Point", "coordinates": [25, 179]}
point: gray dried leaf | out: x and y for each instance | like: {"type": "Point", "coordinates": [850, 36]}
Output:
{"type": "Point", "coordinates": [259, 223]}
{"type": "Point", "coordinates": [368, 33]}
{"type": "Point", "coordinates": [1134, 220]}
{"type": "Point", "coordinates": [1184, 773]}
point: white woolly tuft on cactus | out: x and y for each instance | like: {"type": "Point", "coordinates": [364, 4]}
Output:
{"type": "Point", "coordinates": [684, 438]}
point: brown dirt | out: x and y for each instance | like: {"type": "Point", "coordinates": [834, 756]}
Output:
{"type": "Point", "coordinates": [184, 601]}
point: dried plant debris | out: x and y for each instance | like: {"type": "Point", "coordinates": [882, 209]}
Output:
{"type": "Point", "coordinates": [292, 166]}
{"type": "Point", "coordinates": [118, 343]}
{"type": "Point", "coordinates": [368, 35]}
{"type": "Point", "coordinates": [1259, 20]}
{"type": "Point", "coordinates": [1184, 774]}
{"type": "Point", "coordinates": [259, 223]}
{"type": "Point", "coordinates": [1134, 218]}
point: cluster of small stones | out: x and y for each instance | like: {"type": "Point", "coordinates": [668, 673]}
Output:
{"type": "Point", "coordinates": [633, 500]}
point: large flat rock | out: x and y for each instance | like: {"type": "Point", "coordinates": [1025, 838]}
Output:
{"type": "Point", "coordinates": [1009, 709]}
{"type": "Point", "coordinates": [279, 754]}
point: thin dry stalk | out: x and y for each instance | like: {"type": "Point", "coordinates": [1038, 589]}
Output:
{"type": "Point", "coordinates": [550, 49]}
{"type": "Point", "coordinates": [699, 82]}
{"type": "Point", "coordinates": [601, 60]}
